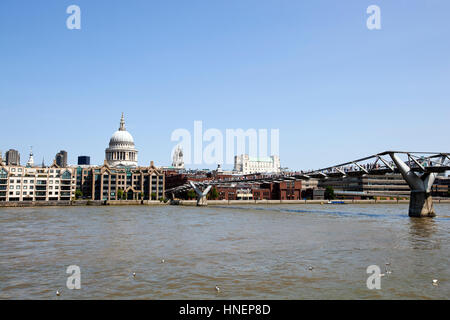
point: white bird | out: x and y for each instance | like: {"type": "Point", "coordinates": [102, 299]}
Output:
{"type": "Point", "coordinates": [217, 289]}
{"type": "Point", "coordinates": [58, 293]}
{"type": "Point", "coordinates": [310, 268]}
{"type": "Point", "coordinates": [134, 274]}
{"type": "Point", "coordinates": [162, 261]}
{"type": "Point", "coordinates": [435, 282]}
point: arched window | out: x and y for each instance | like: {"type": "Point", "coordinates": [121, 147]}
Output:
{"type": "Point", "coordinates": [3, 173]}
{"type": "Point", "coordinates": [66, 175]}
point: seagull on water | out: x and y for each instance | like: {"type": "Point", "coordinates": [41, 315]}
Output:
{"type": "Point", "coordinates": [435, 282]}
{"type": "Point", "coordinates": [217, 289]}
{"type": "Point", "coordinates": [58, 293]}
{"type": "Point", "coordinates": [134, 274]}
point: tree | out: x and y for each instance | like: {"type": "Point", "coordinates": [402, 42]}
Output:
{"type": "Point", "coordinates": [78, 194]}
{"type": "Point", "coordinates": [329, 193]}
{"type": "Point", "coordinates": [213, 194]}
{"type": "Point", "coordinates": [120, 194]}
{"type": "Point", "coordinates": [191, 194]}
{"type": "Point", "coordinates": [153, 196]}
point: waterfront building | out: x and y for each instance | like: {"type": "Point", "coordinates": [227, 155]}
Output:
{"type": "Point", "coordinates": [12, 157]}
{"type": "Point", "coordinates": [285, 190]}
{"type": "Point", "coordinates": [441, 186]}
{"type": "Point", "coordinates": [84, 160]}
{"type": "Point", "coordinates": [368, 186]}
{"type": "Point", "coordinates": [61, 158]}
{"type": "Point", "coordinates": [21, 183]}
{"type": "Point", "coordinates": [245, 164]}
{"type": "Point", "coordinates": [121, 151]}
{"type": "Point", "coordinates": [116, 183]}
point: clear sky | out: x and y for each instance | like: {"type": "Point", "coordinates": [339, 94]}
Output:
{"type": "Point", "coordinates": [335, 90]}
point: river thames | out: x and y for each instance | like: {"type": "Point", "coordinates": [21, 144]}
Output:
{"type": "Point", "coordinates": [249, 252]}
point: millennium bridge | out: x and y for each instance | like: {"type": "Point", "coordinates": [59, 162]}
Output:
{"type": "Point", "coordinates": [419, 169]}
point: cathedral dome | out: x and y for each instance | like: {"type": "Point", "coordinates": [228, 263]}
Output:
{"type": "Point", "coordinates": [121, 139]}
{"type": "Point", "coordinates": [121, 150]}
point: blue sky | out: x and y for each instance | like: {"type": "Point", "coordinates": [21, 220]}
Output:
{"type": "Point", "coordinates": [335, 90]}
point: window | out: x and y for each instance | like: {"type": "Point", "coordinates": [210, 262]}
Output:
{"type": "Point", "coordinates": [24, 187]}
{"type": "Point", "coordinates": [11, 187]}
{"type": "Point", "coordinates": [66, 175]}
{"type": "Point", "coordinates": [17, 193]}
{"type": "Point", "coordinates": [19, 170]}
{"type": "Point", "coordinates": [25, 181]}
{"type": "Point", "coordinates": [13, 170]}
{"type": "Point", "coordinates": [17, 187]}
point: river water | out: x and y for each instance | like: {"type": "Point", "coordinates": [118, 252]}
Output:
{"type": "Point", "coordinates": [250, 252]}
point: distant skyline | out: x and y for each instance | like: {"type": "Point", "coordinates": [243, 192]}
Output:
{"type": "Point", "coordinates": [335, 90]}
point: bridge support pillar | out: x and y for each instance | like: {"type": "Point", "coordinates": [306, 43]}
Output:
{"type": "Point", "coordinates": [421, 202]}
{"type": "Point", "coordinates": [201, 194]}
{"type": "Point", "coordinates": [201, 201]}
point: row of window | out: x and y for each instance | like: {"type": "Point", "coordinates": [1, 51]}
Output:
{"type": "Point", "coordinates": [11, 193]}
{"type": "Point", "coordinates": [33, 181]}
{"type": "Point", "coordinates": [38, 171]}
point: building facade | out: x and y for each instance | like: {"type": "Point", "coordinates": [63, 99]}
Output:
{"type": "Point", "coordinates": [19, 183]}
{"type": "Point", "coordinates": [120, 183]}
{"type": "Point", "coordinates": [61, 159]}
{"type": "Point", "coordinates": [368, 186]}
{"type": "Point", "coordinates": [245, 164]}
{"type": "Point", "coordinates": [84, 161]}
{"type": "Point", "coordinates": [441, 187]}
{"type": "Point", "coordinates": [12, 157]}
{"type": "Point", "coordinates": [285, 190]}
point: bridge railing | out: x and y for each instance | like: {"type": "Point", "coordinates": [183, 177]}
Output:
{"type": "Point", "coordinates": [380, 163]}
